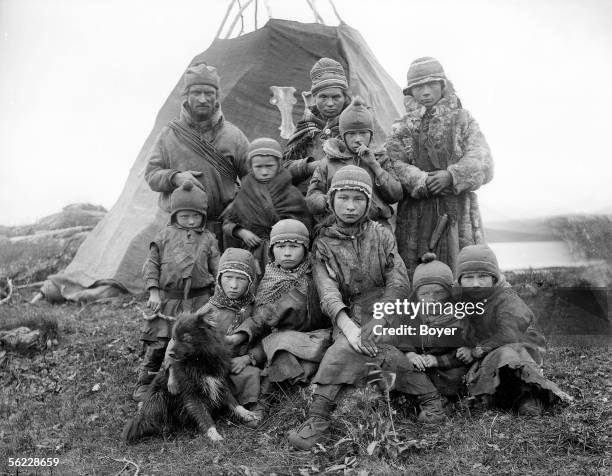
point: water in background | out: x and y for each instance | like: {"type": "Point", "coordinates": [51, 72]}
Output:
{"type": "Point", "coordinates": [536, 254]}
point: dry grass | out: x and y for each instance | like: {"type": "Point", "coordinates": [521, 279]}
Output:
{"type": "Point", "coordinates": [71, 402]}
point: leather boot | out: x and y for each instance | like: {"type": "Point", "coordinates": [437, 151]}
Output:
{"type": "Point", "coordinates": [430, 405]}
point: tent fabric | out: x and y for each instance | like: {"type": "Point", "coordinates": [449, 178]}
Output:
{"type": "Point", "coordinates": [279, 54]}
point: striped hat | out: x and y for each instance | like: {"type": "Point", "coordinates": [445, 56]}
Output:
{"type": "Point", "coordinates": [327, 73]}
{"type": "Point", "coordinates": [424, 70]}
{"type": "Point", "coordinates": [238, 260]}
{"type": "Point", "coordinates": [265, 146]}
{"type": "Point", "coordinates": [351, 177]}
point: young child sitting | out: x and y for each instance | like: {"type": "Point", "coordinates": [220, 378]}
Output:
{"type": "Point", "coordinates": [352, 148]}
{"type": "Point", "coordinates": [266, 196]}
{"type": "Point", "coordinates": [229, 306]}
{"type": "Point", "coordinates": [287, 315]}
{"type": "Point", "coordinates": [504, 347]}
{"type": "Point", "coordinates": [355, 264]}
{"type": "Point", "coordinates": [435, 354]}
{"type": "Point", "coordinates": [179, 274]}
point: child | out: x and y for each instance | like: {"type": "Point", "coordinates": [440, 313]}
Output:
{"type": "Point", "coordinates": [504, 348]}
{"type": "Point", "coordinates": [355, 263]}
{"type": "Point", "coordinates": [435, 355]}
{"type": "Point", "coordinates": [229, 306]}
{"type": "Point", "coordinates": [352, 148]}
{"type": "Point", "coordinates": [287, 309]}
{"type": "Point", "coordinates": [441, 158]}
{"type": "Point", "coordinates": [179, 274]}
{"type": "Point", "coordinates": [266, 196]}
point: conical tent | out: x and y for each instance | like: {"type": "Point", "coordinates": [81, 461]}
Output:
{"type": "Point", "coordinates": [279, 54]}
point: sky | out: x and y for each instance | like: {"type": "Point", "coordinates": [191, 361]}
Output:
{"type": "Point", "coordinates": [81, 82]}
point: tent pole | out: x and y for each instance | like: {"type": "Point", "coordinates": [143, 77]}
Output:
{"type": "Point", "coordinates": [318, 17]}
{"type": "Point", "coordinates": [336, 11]}
{"type": "Point", "coordinates": [268, 9]}
{"type": "Point", "coordinates": [238, 15]}
{"type": "Point", "coordinates": [229, 9]}
{"type": "Point", "coordinates": [256, 4]}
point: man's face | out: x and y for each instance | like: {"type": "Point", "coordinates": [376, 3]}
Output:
{"type": "Point", "coordinates": [234, 284]}
{"type": "Point", "coordinates": [427, 94]}
{"type": "Point", "coordinates": [330, 102]}
{"type": "Point", "coordinates": [355, 139]}
{"type": "Point", "coordinates": [189, 219]}
{"type": "Point", "coordinates": [264, 167]}
{"type": "Point", "coordinates": [202, 100]}
{"type": "Point", "coordinates": [350, 205]}
{"type": "Point", "coordinates": [288, 254]}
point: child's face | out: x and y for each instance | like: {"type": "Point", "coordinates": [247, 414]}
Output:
{"type": "Point", "coordinates": [432, 293]}
{"type": "Point", "coordinates": [234, 284]}
{"type": "Point", "coordinates": [264, 167]}
{"type": "Point", "coordinates": [189, 219]}
{"type": "Point", "coordinates": [288, 255]}
{"type": "Point", "coordinates": [355, 139]}
{"type": "Point", "coordinates": [427, 94]}
{"type": "Point", "coordinates": [350, 205]}
{"type": "Point", "coordinates": [476, 280]}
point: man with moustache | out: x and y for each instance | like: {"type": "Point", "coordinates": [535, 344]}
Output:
{"type": "Point", "coordinates": [201, 146]}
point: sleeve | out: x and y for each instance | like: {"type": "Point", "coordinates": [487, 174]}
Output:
{"type": "Point", "coordinates": [397, 283]}
{"type": "Point", "coordinates": [449, 360]}
{"type": "Point", "coordinates": [299, 169]}
{"type": "Point", "coordinates": [230, 221]}
{"type": "Point", "coordinates": [328, 289]}
{"type": "Point", "coordinates": [241, 163]}
{"type": "Point", "coordinates": [316, 196]}
{"type": "Point", "coordinates": [158, 173]}
{"type": "Point", "coordinates": [213, 257]}
{"type": "Point", "coordinates": [412, 179]}
{"type": "Point", "coordinates": [511, 321]}
{"type": "Point", "coordinates": [387, 184]}
{"type": "Point", "coordinates": [475, 167]}
{"type": "Point", "coordinates": [152, 267]}
{"type": "Point", "coordinates": [256, 325]}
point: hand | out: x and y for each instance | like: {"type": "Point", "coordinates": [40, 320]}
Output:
{"type": "Point", "coordinates": [366, 155]}
{"type": "Point", "coordinates": [437, 181]}
{"type": "Point", "coordinates": [429, 361]}
{"type": "Point", "coordinates": [236, 339]}
{"type": "Point", "coordinates": [416, 360]}
{"type": "Point", "coordinates": [173, 386]}
{"type": "Point", "coordinates": [239, 363]}
{"type": "Point", "coordinates": [477, 352]}
{"type": "Point", "coordinates": [154, 302]}
{"type": "Point", "coordinates": [187, 176]}
{"type": "Point", "coordinates": [464, 354]}
{"type": "Point", "coordinates": [250, 239]}
{"type": "Point", "coordinates": [352, 332]}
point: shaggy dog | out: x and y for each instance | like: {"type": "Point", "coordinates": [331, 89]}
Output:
{"type": "Point", "coordinates": [195, 385]}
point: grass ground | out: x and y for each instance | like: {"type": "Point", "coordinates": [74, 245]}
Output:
{"type": "Point", "coordinates": [71, 401]}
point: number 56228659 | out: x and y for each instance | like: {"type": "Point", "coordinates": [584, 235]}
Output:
{"type": "Point", "coordinates": [33, 461]}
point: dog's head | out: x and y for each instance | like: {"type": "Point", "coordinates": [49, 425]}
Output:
{"type": "Point", "coordinates": [194, 337]}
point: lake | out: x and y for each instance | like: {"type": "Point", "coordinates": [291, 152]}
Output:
{"type": "Point", "coordinates": [535, 254]}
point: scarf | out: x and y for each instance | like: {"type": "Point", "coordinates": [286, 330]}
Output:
{"type": "Point", "coordinates": [258, 206]}
{"type": "Point", "coordinates": [220, 299]}
{"type": "Point", "coordinates": [278, 281]}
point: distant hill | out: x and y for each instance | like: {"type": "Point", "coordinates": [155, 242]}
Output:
{"type": "Point", "coordinates": [532, 229]}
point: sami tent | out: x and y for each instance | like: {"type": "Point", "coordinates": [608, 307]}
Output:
{"type": "Point", "coordinates": [280, 55]}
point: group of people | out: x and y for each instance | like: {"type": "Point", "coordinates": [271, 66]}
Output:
{"type": "Point", "coordinates": [286, 252]}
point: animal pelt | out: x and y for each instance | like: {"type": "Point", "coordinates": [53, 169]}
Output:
{"type": "Point", "coordinates": [199, 385]}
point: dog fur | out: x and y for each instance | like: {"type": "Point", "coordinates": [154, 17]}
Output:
{"type": "Point", "coordinates": [193, 387]}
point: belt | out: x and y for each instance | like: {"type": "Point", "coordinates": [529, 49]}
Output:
{"type": "Point", "coordinates": [193, 292]}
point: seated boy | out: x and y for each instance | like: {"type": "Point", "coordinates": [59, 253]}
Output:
{"type": "Point", "coordinates": [504, 347]}
{"type": "Point", "coordinates": [266, 196]}
{"type": "Point", "coordinates": [352, 148]}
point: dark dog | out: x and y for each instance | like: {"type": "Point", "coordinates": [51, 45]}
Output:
{"type": "Point", "coordinates": [195, 385]}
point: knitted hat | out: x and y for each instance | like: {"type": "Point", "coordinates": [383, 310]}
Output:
{"type": "Point", "coordinates": [356, 117]}
{"type": "Point", "coordinates": [477, 259]}
{"type": "Point", "coordinates": [424, 70]}
{"type": "Point", "coordinates": [289, 230]}
{"type": "Point", "coordinates": [350, 177]}
{"type": "Point", "coordinates": [201, 74]}
{"type": "Point", "coordinates": [237, 260]}
{"type": "Point", "coordinates": [265, 146]}
{"type": "Point", "coordinates": [188, 197]}
{"type": "Point", "coordinates": [327, 73]}
{"type": "Point", "coordinates": [432, 271]}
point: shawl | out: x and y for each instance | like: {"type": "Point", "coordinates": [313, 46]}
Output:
{"type": "Point", "coordinates": [220, 299]}
{"type": "Point", "coordinates": [258, 206]}
{"type": "Point", "coordinates": [277, 282]}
